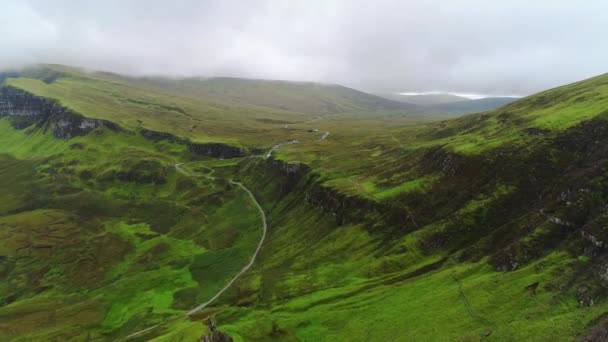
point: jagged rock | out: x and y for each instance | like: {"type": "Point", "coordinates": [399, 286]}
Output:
{"type": "Point", "coordinates": [595, 241]}
{"type": "Point", "coordinates": [583, 296]}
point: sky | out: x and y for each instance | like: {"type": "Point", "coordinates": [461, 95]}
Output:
{"type": "Point", "coordinates": [461, 46]}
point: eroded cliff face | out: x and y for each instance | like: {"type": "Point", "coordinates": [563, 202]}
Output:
{"type": "Point", "coordinates": [289, 178]}
{"type": "Point", "coordinates": [26, 110]}
{"type": "Point", "coordinates": [217, 150]}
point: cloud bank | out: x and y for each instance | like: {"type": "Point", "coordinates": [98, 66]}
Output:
{"type": "Point", "coordinates": [467, 46]}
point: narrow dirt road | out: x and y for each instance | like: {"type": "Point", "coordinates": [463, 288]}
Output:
{"type": "Point", "coordinates": [253, 257]}
{"type": "Point", "coordinates": [238, 275]}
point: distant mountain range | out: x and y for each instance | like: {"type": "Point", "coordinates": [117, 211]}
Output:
{"type": "Point", "coordinates": [450, 104]}
{"type": "Point", "coordinates": [423, 99]}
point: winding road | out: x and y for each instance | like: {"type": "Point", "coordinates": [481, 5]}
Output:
{"type": "Point", "coordinates": [253, 257]}
{"type": "Point", "coordinates": [238, 275]}
{"type": "Point", "coordinates": [245, 268]}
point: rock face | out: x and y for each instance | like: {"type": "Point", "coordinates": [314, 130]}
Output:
{"type": "Point", "coordinates": [217, 150]}
{"type": "Point", "coordinates": [214, 334]}
{"type": "Point", "coordinates": [160, 136]}
{"type": "Point", "coordinates": [26, 110]}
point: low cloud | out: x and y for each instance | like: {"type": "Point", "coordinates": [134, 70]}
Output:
{"type": "Point", "coordinates": [466, 46]}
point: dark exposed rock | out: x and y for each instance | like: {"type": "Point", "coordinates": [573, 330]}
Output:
{"type": "Point", "coordinates": [345, 208]}
{"type": "Point", "coordinates": [214, 150]}
{"type": "Point", "coordinates": [597, 332]}
{"type": "Point", "coordinates": [26, 110]}
{"type": "Point", "coordinates": [440, 159]}
{"type": "Point", "coordinates": [217, 150]}
{"type": "Point", "coordinates": [583, 296]}
{"type": "Point", "coordinates": [214, 334]}
{"type": "Point", "coordinates": [159, 136]}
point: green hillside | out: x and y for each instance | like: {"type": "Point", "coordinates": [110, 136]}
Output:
{"type": "Point", "coordinates": [301, 97]}
{"type": "Point", "coordinates": [120, 213]}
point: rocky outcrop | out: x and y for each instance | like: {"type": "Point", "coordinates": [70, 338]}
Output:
{"type": "Point", "coordinates": [214, 334]}
{"type": "Point", "coordinates": [160, 136]}
{"type": "Point", "coordinates": [26, 110]}
{"type": "Point", "coordinates": [214, 150]}
{"type": "Point", "coordinates": [297, 177]}
{"type": "Point", "coordinates": [217, 150]}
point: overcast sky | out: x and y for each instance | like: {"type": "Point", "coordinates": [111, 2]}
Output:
{"type": "Point", "coordinates": [470, 46]}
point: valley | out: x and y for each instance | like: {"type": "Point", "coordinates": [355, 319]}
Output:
{"type": "Point", "coordinates": [137, 208]}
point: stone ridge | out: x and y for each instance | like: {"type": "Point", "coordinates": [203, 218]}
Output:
{"type": "Point", "coordinates": [26, 110]}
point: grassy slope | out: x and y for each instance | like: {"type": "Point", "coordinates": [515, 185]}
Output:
{"type": "Point", "coordinates": [298, 97]}
{"type": "Point", "coordinates": [465, 301]}
{"type": "Point", "coordinates": [238, 111]}
{"type": "Point", "coordinates": [84, 254]}
{"type": "Point", "coordinates": [387, 150]}
{"type": "Point", "coordinates": [316, 282]}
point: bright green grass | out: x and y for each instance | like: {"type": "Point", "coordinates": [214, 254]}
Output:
{"type": "Point", "coordinates": [129, 247]}
{"type": "Point", "coordinates": [430, 308]}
